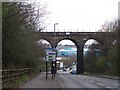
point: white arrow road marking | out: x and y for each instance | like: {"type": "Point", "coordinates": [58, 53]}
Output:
{"type": "Point", "coordinates": [100, 84]}
{"type": "Point", "coordinates": [108, 87]}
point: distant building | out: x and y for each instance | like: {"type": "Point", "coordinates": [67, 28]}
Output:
{"type": "Point", "coordinates": [67, 51]}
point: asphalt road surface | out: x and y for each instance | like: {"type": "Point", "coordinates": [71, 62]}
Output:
{"type": "Point", "coordinates": [81, 81]}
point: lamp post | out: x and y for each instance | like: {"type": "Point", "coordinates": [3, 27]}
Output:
{"type": "Point", "coordinates": [65, 61]}
{"type": "Point", "coordinates": [54, 26]}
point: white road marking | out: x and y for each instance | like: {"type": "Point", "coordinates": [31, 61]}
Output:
{"type": "Point", "coordinates": [100, 84]}
{"type": "Point", "coordinates": [108, 87]}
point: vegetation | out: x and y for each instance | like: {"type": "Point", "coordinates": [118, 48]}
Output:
{"type": "Point", "coordinates": [16, 83]}
{"type": "Point", "coordinates": [20, 21]}
{"type": "Point", "coordinates": [19, 41]}
{"type": "Point", "coordinates": [107, 63]}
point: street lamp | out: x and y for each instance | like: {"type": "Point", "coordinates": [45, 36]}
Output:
{"type": "Point", "coordinates": [55, 25]}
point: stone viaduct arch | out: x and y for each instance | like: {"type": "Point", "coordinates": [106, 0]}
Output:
{"type": "Point", "coordinates": [79, 38]}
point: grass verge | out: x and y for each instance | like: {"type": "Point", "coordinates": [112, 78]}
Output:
{"type": "Point", "coordinates": [18, 82]}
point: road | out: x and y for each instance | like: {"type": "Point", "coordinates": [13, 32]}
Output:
{"type": "Point", "coordinates": [81, 81]}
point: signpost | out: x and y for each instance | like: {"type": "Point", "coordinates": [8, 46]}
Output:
{"type": "Point", "coordinates": [50, 56]}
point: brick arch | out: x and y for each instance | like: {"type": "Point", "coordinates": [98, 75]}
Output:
{"type": "Point", "coordinates": [79, 46]}
{"type": "Point", "coordinates": [96, 39]}
{"type": "Point", "coordinates": [71, 39]}
{"type": "Point", "coordinates": [47, 41]}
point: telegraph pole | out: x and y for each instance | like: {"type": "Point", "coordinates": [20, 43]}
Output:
{"type": "Point", "coordinates": [54, 68]}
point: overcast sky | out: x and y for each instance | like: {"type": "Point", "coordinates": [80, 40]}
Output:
{"type": "Point", "coordinates": [80, 15]}
{"type": "Point", "coordinates": [76, 15]}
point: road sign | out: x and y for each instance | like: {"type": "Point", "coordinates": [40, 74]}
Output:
{"type": "Point", "coordinates": [50, 54]}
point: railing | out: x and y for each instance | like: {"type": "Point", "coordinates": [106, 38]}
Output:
{"type": "Point", "coordinates": [10, 75]}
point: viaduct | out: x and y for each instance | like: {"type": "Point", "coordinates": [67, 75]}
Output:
{"type": "Point", "coordinates": [79, 38]}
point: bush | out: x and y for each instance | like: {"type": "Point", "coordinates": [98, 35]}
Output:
{"type": "Point", "coordinates": [101, 65]}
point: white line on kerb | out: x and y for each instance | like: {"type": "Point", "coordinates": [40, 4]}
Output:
{"type": "Point", "coordinates": [108, 87]}
{"type": "Point", "coordinates": [100, 84]}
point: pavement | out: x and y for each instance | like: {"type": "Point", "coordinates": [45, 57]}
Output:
{"type": "Point", "coordinates": [40, 82]}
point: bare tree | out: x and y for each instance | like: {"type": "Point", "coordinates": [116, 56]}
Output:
{"type": "Point", "coordinates": [110, 26]}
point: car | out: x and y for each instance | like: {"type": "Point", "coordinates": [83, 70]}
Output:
{"type": "Point", "coordinates": [70, 68]}
{"type": "Point", "coordinates": [64, 69]}
{"type": "Point", "coordinates": [73, 71]}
